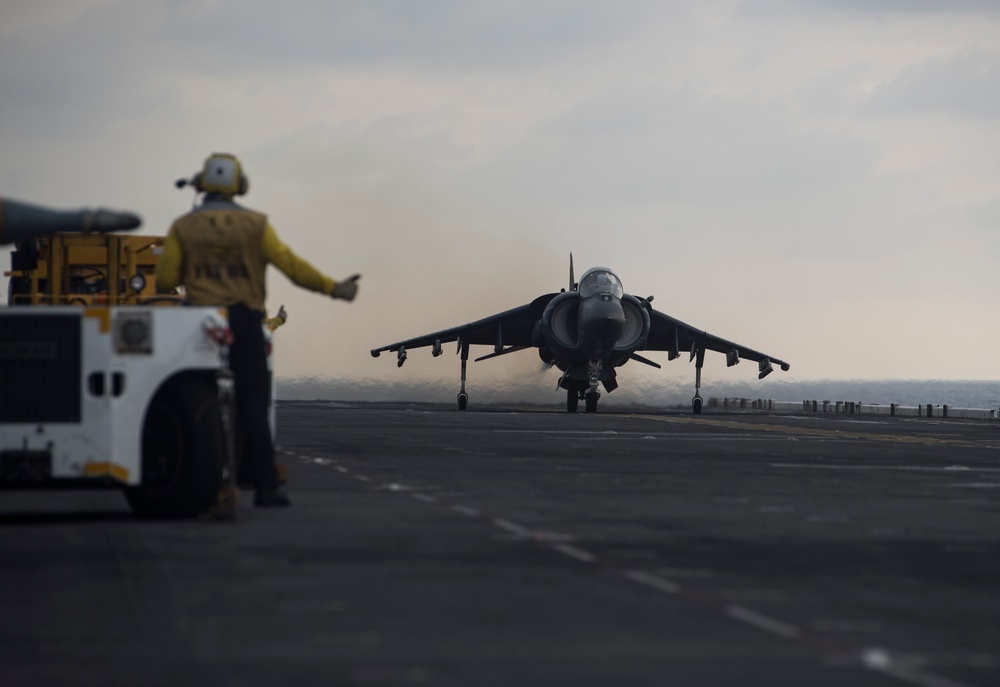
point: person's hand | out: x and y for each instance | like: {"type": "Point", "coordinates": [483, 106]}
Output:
{"type": "Point", "coordinates": [347, 289]}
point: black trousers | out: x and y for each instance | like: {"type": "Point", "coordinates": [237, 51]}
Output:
{"type": "Point", "coordinates": [248, 360]}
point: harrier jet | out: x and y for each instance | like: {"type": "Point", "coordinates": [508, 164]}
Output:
{"type": "Point", "coordinates": [586, 331]}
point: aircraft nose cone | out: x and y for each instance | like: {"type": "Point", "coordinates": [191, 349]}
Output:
{"type": "Point", "coordinates": [603, 319]}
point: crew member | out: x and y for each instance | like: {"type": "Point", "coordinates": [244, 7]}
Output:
{"type": "Point", "coordinates": [219, 252]}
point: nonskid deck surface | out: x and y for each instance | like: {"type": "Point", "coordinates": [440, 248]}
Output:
{"type": "Point", "coordinates": [507, 545]}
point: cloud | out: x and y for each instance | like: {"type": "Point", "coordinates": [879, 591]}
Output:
{"type": "Point", "coordinates": [436, 35]}
{"type": "Point", "coordinates": [966, 84]}
{"type": "Point", "coordinates": [866, 7]}
{"type": "Point", "coordinates": [771, 171]}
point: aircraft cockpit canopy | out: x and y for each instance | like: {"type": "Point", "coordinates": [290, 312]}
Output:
{"type": "Point", "coordinates": [600, 280]}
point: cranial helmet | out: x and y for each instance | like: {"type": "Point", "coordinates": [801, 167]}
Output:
{"type": "Point", "coordinates": [222, 173]}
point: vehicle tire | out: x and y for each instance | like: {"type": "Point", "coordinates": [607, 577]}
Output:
{"type": "Point", "coordinates": [463, 401]}
{"type": "Point", "coordinates": [183, 451]}
{"type": "Point", "coordinates": [572, 400]}
{"type": "Point", "coordinates": [591, 400]}
{"type": "Point", "coordinates": [696, 404]}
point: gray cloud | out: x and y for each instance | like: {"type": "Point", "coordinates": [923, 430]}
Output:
{"type": "Point", "coordinates": [870, 7]}
{"type": "Point", "coordinates": [821, 162]}
{"type": "Point", "coordinates": [442, 35]}
{"type": "Point", "coordinates": [966, 84]}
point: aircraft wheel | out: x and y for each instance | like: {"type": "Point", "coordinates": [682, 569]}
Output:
{"type": "Point", "coordinates": [696, 403]}
{"type": "Point", "coordinates": [591, 400]}
{"type": "Point", "coordinates": [182, 448]}
{"type": "Point", "coordinates": [463, 400]}
{"type": "Point", "coordinates": [572, 400]}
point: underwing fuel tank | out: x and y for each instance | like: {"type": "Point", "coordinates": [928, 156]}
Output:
{"type": "Point", "coordinates": [24, 222]}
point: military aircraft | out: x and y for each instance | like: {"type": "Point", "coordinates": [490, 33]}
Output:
{"type": "Point", "coordinates": [586, 331]}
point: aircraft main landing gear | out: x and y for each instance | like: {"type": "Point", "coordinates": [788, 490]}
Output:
{"type": "Point", "coordinates": [463, 398]}
{"type": "Point", "coordinates": [696, 402]}
{"type": "Point", "coordinates": [591, 400]}
{"type": "Point", "coordinates": [572, 400]}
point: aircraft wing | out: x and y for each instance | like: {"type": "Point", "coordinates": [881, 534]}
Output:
{"type": "Point", "coordinates": [669, 334]}
{"type": "Point", "coordinates": [511, 328]}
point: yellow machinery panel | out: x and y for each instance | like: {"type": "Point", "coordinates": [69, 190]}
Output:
{"type": "Point", "coordinates": [87, 269]}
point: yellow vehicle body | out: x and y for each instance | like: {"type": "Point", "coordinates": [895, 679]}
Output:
{"type": "Point", "coordinates": [88, 269]}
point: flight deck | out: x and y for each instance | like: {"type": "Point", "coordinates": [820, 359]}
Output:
{"type": "Point", "coordinates": [518, 545]}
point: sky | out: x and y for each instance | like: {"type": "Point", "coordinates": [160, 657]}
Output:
{"type": "Point", "coordinates": [818, 180]}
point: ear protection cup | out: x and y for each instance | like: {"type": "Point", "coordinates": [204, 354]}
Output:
{"type": "Point", "coordinates": [221, 173]}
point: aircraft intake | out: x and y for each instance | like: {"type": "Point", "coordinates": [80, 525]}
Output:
{"type": "Point", "coordinates": [558, 326]}
{"type": "Point", "coordinates": [571, 323]}
{"type": "Point", "coordinates": [636, 329]}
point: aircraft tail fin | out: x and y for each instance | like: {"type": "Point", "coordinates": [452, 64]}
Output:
{"type": "Point", "coordinates": [572, 280]}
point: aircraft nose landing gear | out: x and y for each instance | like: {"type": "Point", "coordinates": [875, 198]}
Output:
{"type": "Point", "coordinates": [594, 375]}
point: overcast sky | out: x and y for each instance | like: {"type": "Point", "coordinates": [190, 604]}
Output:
{"type": "Point", "coordinates": [818, 180]}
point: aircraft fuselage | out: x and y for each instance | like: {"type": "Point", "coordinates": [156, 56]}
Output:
{"type": "Point", "coordinates": [600, 321]}
{"type": "Point", "coordinates": [588, 331]}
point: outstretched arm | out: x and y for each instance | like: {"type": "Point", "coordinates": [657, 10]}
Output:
{"type": "Point", "coordinates": [300, 271]}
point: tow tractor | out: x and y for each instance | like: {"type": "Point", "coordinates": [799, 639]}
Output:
{"type": "Point", "coordinates": [104, 382]}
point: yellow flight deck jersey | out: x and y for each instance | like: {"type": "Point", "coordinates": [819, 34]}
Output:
{"type": "Point", "coordinates": [219, 252]}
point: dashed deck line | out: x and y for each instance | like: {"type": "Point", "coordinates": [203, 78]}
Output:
{"type": "Point", "coordinates": [875, 659]}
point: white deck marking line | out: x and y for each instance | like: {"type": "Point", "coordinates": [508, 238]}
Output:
{"type": "Point", "coordinates": [573, 552]}
{"type": "Point", "coordinates": [881, 661]}
{"type": "Point", "coordinates": [658, 583]}
{"type": "Point", "coordinates": [512, 527]}
{"type": "Point", "coordinates": [763, 622]}
{"type": "Point", "coordinates": [877, 660]}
